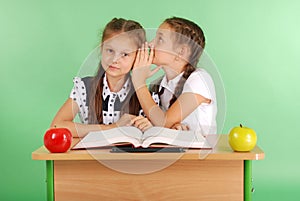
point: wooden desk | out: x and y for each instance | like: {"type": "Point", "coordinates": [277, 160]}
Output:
{"type": "Point", "coordinates": [221, 175]}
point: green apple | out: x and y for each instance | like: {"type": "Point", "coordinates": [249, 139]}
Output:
{"type": "Point", "coordinates": [242, 138]}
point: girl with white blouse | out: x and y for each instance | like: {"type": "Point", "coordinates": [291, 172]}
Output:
{"type": "Point", "coordinates": [187, 94]}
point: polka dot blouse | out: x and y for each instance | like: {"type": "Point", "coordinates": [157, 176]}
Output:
{"type": "Point", "coordinates": [112, 101]}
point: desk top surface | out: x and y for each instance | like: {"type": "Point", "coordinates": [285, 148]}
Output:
{"type": "Point", "coordinates": [221, 151]}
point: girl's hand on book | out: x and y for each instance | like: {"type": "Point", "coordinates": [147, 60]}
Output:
{"type": "Point", "coordinates": [179, 126]}
{"type": "Point", "coordinates": [125, 120]}
{"type": "Point", "coordinates": [141, 123]}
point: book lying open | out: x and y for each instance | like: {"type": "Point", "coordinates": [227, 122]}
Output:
{"type": "Point", "coordinates": [134, 136]}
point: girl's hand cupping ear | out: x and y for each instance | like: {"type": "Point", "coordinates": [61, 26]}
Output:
{"type": "Point", "coordinates": [142, 65]}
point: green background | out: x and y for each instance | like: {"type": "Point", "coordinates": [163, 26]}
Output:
{"type": "Point", "coordinates": [255, 44]}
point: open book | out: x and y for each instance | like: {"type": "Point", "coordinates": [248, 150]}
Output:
{"type": "Point", "coordinates": [134, 136]}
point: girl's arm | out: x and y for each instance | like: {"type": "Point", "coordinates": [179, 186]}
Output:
{"type": "Point", "coordinates": [184, 105]}
{"type": "Point", "coordinates": [66, 114]}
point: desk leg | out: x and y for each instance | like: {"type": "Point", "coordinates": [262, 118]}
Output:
{"type": "Point", "coordinates": [247, 180]}
{"type": "Point", "coordinates": [50, 180]}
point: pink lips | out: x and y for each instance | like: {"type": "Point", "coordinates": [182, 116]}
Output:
{"type": "Point", "coordinates": [113, 68]}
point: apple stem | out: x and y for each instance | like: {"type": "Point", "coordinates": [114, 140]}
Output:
{"type": "Point", "coordinates": [241, 126]}
{"type": "Point", "coordinates": [54, 126]}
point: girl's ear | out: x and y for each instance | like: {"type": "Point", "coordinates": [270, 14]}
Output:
{"type": "Point", "coordinates": [183, 52]}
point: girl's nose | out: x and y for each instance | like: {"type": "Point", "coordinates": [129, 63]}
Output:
{"type": "Point", "coordinates": [116, 58]}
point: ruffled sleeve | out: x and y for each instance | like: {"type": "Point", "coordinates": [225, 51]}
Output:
{"type": "Point", "coordinates": [79, 95]}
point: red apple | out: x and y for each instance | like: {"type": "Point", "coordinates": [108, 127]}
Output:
{"type": "Point", "coordinates": [58, 140]}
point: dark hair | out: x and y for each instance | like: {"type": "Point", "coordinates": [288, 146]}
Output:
{"type": "Point", "coordinates": [186, 32]}
{"type": "Point", "coordinates": [131, 104]}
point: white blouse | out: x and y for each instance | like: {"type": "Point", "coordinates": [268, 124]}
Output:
{"type": "Point", "coordinates": [203, 118]}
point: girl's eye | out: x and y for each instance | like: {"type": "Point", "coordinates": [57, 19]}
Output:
{"type": "Point", "coordinates": [109, 51]}
{"type": "Point", "coordinates": [125, 54]}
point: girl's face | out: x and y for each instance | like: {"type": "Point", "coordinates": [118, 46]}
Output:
{"type": "Point", "coordinates": [118, 55]}
{"type": "Point", "coordinates": [164, 54]}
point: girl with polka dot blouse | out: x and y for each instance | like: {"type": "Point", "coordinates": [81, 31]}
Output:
{"type": "Point", "coordinates": [108, 99]}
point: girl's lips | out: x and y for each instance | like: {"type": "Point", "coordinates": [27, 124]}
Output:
{"type": "Point", "coordinates": [113, 68]}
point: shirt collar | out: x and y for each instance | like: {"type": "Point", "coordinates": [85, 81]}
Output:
{"type": "Point", "coordinates": [171, 84]}
{"type": "Point", "coordinates": [122, 94]}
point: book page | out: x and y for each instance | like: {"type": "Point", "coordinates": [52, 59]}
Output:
{"type": "Point", "coordinates": [108, 137]}
{"type": "Point", "coordinates": [190, 139]}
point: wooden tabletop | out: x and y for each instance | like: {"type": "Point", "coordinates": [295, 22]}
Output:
{"type": "Point", "coordinates": [221, 151]}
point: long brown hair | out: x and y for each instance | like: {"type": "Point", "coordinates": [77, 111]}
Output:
{"type": "Point", "coordinates": [131, 104]}
{"type": "Point", "coordinates": [186, 32]}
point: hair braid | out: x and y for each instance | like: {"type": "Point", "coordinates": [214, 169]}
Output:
{"type": "Point", "coordinates": [187, 32]}
{"type": "Point", "coordinates": [178, 90]}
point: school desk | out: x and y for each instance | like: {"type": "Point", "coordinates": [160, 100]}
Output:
{"type": "Point", "coordinates": [98, 174]}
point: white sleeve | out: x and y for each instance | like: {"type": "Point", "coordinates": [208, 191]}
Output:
{"type": "Point", "coordinates": [200, 82]}
{"type": "Point", "coordinates": [78, 94]}
{"type": "Point", "coordinates": [77, 91]}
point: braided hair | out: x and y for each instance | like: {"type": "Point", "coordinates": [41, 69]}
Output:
{"type": "Point", "coordinates": [186, 32]}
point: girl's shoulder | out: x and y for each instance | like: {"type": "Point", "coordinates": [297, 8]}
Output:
{"type": "Point", "coordinates": [83, 85]}
{"type": "Point", "coordinates": [85, 80]}
{"type": "Point", "coordinates": [200, 82]}
{"type": "Point", "coordinates": [200, 71]}
{"type": "Point", "coordinates": [199, 74]}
